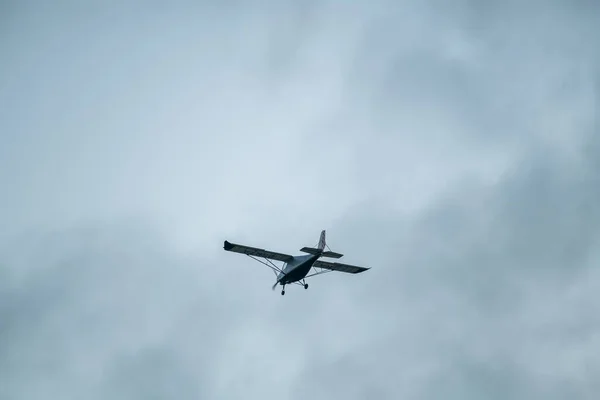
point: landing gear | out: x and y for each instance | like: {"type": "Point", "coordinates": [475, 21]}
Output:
{"type": "Point", "coordinates": [302, 283]}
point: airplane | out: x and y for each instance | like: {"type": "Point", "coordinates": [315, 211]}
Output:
{"type": "Point", "coordinates": [296, 268]}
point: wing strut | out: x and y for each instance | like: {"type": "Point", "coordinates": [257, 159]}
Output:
{"type": "Point", "coordinates": [268, 263]}
{"type": "Point", "coordinates": [318, 272]}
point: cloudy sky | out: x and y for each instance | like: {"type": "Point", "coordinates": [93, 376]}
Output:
{"type": "Point", "coordinates": [452, 148]}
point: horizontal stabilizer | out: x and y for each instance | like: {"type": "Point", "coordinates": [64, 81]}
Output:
{"type": "Point", "coordinates": [329, 254]}
{"type": "Point", "coordinates": [332, 254]}
{"type": "Point", "coordinates": [310, 250]}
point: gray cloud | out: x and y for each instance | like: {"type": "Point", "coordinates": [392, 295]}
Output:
{"type": "Point", "coordinates": [491, 294]}
{"type": "Point", "coordinates": [454, 150]}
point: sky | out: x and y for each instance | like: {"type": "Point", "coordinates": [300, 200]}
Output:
{"type": "Point", "coordinates": [454, 149]}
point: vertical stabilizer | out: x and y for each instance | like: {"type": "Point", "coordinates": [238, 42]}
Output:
{"type": "Point", "coordinates": [322, 241]}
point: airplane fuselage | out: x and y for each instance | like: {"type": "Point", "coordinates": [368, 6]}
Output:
{"type": "Point", "coordinates": [297, 269]}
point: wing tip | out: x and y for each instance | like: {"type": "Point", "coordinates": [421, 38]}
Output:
{"type": "Point", "coordinates": [363, 269]}
{"type": "Point", "coordinates": [227, 245]}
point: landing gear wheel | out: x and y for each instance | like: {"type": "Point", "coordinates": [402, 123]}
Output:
{"type": "Point", "coordinates": [306, 286]}
{"type": "Point", "coordinates": [282, 292]}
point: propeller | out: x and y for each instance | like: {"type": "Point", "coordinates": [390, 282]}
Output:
{"type": "Point", "coordinates": [275, 285]}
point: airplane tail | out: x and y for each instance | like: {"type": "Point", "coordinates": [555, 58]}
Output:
{"type": "Point", "coordinates": [322, 241]}
{"type": "Point", "coordinates": [320, 248]}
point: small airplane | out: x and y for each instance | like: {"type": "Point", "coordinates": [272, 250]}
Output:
{"type": "Point", "coordinates": [296, 268]}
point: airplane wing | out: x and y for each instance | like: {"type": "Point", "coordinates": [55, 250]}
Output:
{"type": "Point", "coordinates": [256, 252]}
{"type": "Point", "coordinates": [351, 269]}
